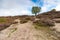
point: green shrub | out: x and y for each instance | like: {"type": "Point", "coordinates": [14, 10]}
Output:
{"type": "Point", "coordinates": [23, 21]}
{"type": "Point", "coordinates": [27, 18]}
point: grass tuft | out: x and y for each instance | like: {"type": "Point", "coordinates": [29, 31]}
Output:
{"type": "Point", "coordinates": [42, 28]}
{"type": "Point", "coordinates": [12, 30]}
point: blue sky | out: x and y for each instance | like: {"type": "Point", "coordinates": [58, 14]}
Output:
{"type": "Point", "coordinates": [23, 7]}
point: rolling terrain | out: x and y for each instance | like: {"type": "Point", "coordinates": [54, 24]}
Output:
{"type": "Point", "coordinates": [11, 27]}
{"type": "Point", "coordinates": [27, 31]}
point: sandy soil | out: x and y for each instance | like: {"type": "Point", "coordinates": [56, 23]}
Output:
{"type": "Point", "coordinates": [57, 27]}
{"type": "Point", "coordinates": [24, 31]}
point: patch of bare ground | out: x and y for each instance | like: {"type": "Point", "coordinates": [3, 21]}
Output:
{"type": "Point", "coordinates": [26, 31]}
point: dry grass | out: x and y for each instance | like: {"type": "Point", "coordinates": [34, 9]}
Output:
{"type": "Point", "coordinates": [12, 30]}
{"type": "Point", "coordinates": [3, 20]}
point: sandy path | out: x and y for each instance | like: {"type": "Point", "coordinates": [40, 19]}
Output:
{"type": "Point", "coordinates": [57, 27]}
{"type": "Point", "coordinates": [24, 31]}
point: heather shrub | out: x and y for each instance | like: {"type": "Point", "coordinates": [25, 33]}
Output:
{"type": "Point", "coordinates": [44, 22]}
{"type": "Point", "coordinates": [4, 26]}
{"type": "Point", "coordinates": [27, 18]}
{"type": "Point", "coordinates": [23, 21]}
{"type": "Point", "coordinates": [57, 21]}
{"type": "Point", "coordinates": [14, 22]}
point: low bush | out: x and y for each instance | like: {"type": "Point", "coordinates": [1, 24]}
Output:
{"type": "Point", "coordinates": [14, 22]}
{"type": "Point", "coordinates": [4, 26]}
{"type": "Point", "coordinates": [27, 18]}
{"type": "Point", "coordinates": [5, 22]}
{"type": "Point", "coordinates": [44, 22]}
{"type": "Point", "coordinates": [57, 21]}
{"type": "Point", "coordinates": [23, 21]}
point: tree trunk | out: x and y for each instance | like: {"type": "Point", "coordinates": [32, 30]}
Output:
{"type": "Point", "coordinates": [35, 15]}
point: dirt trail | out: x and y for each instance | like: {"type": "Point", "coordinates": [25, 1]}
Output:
{"type": "Point", "coordinates": [57, 27]}
{"type": "Point", "coordinates": [24, 31]}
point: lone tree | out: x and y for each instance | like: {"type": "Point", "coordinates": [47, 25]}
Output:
{"type": "Point", "coordinates": [35, 10]}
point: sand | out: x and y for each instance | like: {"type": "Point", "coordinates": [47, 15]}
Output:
{"type": "Point", "coordinates": [24, 31]}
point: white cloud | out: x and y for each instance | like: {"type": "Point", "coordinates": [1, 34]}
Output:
{"type": "Point", "coordinates": [50, 4]}
{"type": "Point", "coordinates": [21, 7]}
{"type": "Point", "coordinates": [57, 8]}
{"type": "Point", "coordinates": [15, 7]}
{"type": "Point", "coordinates": [45, 8]}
